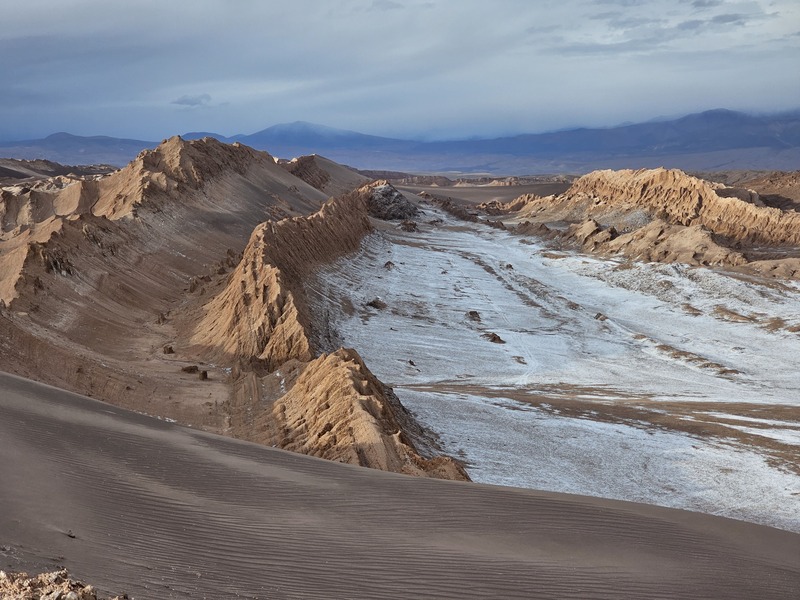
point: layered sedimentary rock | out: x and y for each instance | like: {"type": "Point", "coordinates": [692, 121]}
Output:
{"type": "Point", "coordinates": [179, 184]}
{"type": "Point", "coordinates": [734, 213]}
{"type": "Point", "coordinates": [330, 405]}
{"type": "Point", "coordinates": [338, 410]}
{"type": "Point", "coordinates": [129, 287]}
{"type": "Point", "coordinates": [666, 215]}
{"type": "Point", "coordinates": [256, 315]}
{"type": "Point", "coordinates": [141, 289]}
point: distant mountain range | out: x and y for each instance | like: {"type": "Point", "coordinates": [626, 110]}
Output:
{"type": "Point", "coordinates": [712, 140]}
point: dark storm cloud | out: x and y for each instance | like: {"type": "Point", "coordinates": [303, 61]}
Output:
{"type": "Point", "coordinates": [198, 100]}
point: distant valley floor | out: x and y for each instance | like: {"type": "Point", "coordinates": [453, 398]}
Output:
{"type": "Point", "coordinates": [664, 384]}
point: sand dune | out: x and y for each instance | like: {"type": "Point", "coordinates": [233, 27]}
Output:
{"type": "Point", "coordinates": [324, 174]}
{"type": "Point", "coordinates": [133, 504]}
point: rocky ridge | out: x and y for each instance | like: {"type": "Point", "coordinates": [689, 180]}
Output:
{"type": "Point", "coordinates": [325, 175]}
{"type": "Point", "coordinates": [386, 203]}
{"type": "Point", "coordinates": [665, 215]}
{"type": "Point", "coordinates": [141, 289]}
{"type": "Point", "coordinates": [326, 405]}
{"type": "Point", "coordinates": [175, 174]}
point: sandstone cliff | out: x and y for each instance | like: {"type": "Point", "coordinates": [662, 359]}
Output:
{"type": "Point", "coordinates": [256, 315]}
{"type": "Point", "coordinates": [666, 215]}
{"type": "Point", "coordinates": [329, 406]}
{"type": "Point", "coordinates": [338, 410]}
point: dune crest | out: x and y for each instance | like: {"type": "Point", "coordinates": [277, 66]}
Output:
{"type": "Point", "coordinates": [175, 177]}
{"type": "Point", "coordinates": [127, 280]}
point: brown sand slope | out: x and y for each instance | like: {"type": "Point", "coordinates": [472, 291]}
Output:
{"type": "Point", "coordinates": [138, 505]}
{"type": "Point", "coordinates": [98, 274]}
{"type": "Point", "coordinates": [665, 215]}
{"type": "Point", "coordinates": [325, 175]}
{"type": "Point", "coordinates": [778, 189]}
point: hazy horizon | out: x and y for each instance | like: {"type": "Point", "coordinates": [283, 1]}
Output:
{"type": "Point", "coordinates": [413, 70]}
{"type": "Point", "coordinates": [657, 119]}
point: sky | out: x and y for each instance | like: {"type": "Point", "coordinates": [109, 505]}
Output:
{"type": "Point", "coordinates": [421, 69]}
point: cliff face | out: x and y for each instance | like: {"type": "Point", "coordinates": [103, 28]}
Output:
{"type": "Point", "coordinates": [176, 189]}
{"type": "Point", "coordinates": [734, 213]}
{"type": "Point", "coordinates": [331, 406]}
{"type": "Point", "coordinates": [665, 215]}
{"type": "Point", "coordinates": [339, 411]}
{"type": "Point", "coordinates": [257, 314]}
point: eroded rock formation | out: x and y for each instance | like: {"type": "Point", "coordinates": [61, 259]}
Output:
{"type": "Point", "coordinates": [665, 215]}
{"type": "Point", "coordinates": [57, 585]}
{"type": "Point", "coordinates": [330, 405]}
{"type": "Point", "coordinates": [141, 289]}
{"type": "Point", "coordinates": [386, 203]}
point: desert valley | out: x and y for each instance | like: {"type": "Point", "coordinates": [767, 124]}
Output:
{"type": "Point", "coordinates": [584, 386]}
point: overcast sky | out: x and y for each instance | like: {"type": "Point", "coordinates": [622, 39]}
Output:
{"type": "Point", "coordinates": [414, 68]}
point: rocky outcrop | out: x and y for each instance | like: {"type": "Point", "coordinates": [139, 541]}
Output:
{"type": "Point", "coordinates": [257, 315]}
{"type": "Point", "coordinates": [330, 406]}
{"type": "Point", "coordinates": [386, 203]}
{"type": "Point", "coordinates": [46, 586]}
{"type": "Point", "coordinates": [666, 216]}
{"type": "Point", "coordinates": [496, 208]}
{"type": "Point", "coordinates": [684, 200]}
{"type": "Point", "coordinates": [657, 241]}
{"type": "Point", "coordinates": [339, 411]}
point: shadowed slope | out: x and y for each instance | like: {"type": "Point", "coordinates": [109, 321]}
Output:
{"type": "Point", "coordinates": [138, 505]}
{"type": "Point", "coordinates": [259, 324]}
{"type": "Point", "coordinates": [325, 175]}
{"type": "Point", "coordinates": [98, 274]}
